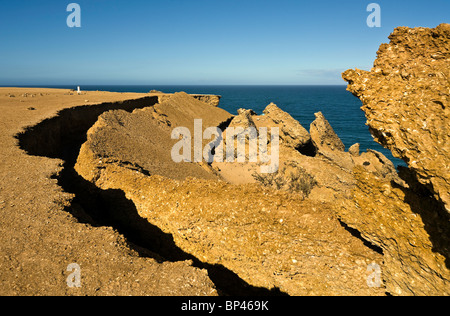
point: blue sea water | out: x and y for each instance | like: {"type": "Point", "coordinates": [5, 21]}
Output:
{"type": "Point", "coordinates": [339, 106]}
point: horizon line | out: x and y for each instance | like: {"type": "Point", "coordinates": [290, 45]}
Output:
{"type": "Point", "coordinates": [160, 85]}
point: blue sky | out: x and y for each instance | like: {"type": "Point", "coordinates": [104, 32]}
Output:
{"type": "Point", "coordinates": [198, 42]}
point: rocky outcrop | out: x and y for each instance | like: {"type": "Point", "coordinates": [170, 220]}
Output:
{"type": "Point", "coordinates": [271, 239]}
{"type": "Point", "coordinates": [292, 133]}
{"type": "Point", "coordinates": [142, 140]}
{"type": "Point", "coordinates": [406, 99]}
{"type": "Point", "coordinates": [45, 229]}
{"type": "Point", "coordinates": [268, 234]}
{"type": "Point", "coordinates": [323, 135]}
{"type": "Point", "coordinates": [244, 119]}
{"type": "Point", "coordinates": [210, 99]}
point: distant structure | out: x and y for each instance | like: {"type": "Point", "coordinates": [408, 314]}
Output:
{"type": "Point", "coordinates": [78, 90]}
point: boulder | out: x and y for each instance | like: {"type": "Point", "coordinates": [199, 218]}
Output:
{"type": "Point", "coordinates": [292, 133]}
{"type": "Point", "coordinates": [323, 135]}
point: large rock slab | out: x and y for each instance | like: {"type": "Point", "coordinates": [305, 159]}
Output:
{"type": "Point", "coordinates": [406, 98]}
{"type": "Point", "coordinates": [415, 239]}
{"type": "Point", "coordinates": [270, 239]}
{"type": "Point", "coordinates": [292, 133]}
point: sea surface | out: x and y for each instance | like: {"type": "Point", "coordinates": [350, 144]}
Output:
{"type": "Point", "coordinates": [339, 106]}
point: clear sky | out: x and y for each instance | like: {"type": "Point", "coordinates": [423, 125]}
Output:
{"type": "Point", "coordinates": [198, 42]}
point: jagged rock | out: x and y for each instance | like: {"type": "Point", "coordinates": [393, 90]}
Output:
{"type": "Point", "coordinates": [406, 99]}
{"type": "Point", "coordinates": [212, 100]}
{"type": "Point", "coordinates": [323, 135]}
{"type": "Point", "coordinates": [268, 238]}
{"type": "Point", "coordinates": [142, 139]}
{"type": "Point", "coordinates": [354, 150]}
{"type": "Point", "coordinates": [292, 133]}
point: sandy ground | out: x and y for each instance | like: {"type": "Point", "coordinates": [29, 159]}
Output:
{"type": "Point", "coordinates": [38, 239]}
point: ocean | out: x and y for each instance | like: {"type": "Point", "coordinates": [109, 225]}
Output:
{"type": "Point", "coordinates": [339, 106]}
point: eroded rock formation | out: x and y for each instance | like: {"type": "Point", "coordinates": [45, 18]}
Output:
{"type": "Point", "coordinates": [406, 100]}
{"type": "Point", "coordinates": [269, 238]}
{"type": "Point", "coordinates": [292, 240]}
{"type": "Point", "coordinates": [210, 99]}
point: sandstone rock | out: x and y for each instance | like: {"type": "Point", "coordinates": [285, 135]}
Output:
{"type": "Point", "coordinates": [292, 133]}
{"type": "Point", "coordinates": [323, 135]}
{"type": "Point", "coordinates": [415, 239]}
{"type": "Point", "coordinates": [406, 99]}
{"type": "Point", "coordinates": [212, 100]}
{"type": "Point", "coordinates": [328, 144]}
{"type": "Point", "coordinates": [268, 238]}
{"type": "Point", "coordinates": [354, 150]}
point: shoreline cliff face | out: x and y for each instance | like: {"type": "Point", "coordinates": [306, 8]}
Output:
{"type": "Point", "coordinates": [271, 239]}
{"type": "Point", "coordinates": [406, 98]}
{"type": "Point", "coordinates": [274, 237]}
{"type": "Point", "coordinates": [312, 228]}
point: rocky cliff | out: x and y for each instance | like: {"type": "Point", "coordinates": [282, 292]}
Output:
{"type": "Point", "coordinates": [270, 238]}
{"type": "Point", "coordinates": [314, 226]}
{"type": "Point", "coordinates": [406, 100]}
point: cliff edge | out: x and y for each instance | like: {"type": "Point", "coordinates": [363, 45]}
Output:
{"type": "Point", "coordinates": [406, 101]}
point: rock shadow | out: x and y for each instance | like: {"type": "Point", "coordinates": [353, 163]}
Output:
{"type": "Point", "coordinates": [433, 214]}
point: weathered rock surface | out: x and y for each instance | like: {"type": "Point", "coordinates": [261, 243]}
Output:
{"type": "Point", "coordinates": [278, 239]}
{"type": "Point", "coordinates": [292, 133]}
{"type": "Point", "coordinates": [268, 238]}
{"type": "Point", "coordinates": [407, 226]}
{"type": "Point", "coordinates": [406, 98]}
{"type": "Point", "coordinates": [210, 99]}
{"type": "Point", "coordinates": [142, 140]}
{"type": "Point", "coordinates": [406, 101]}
